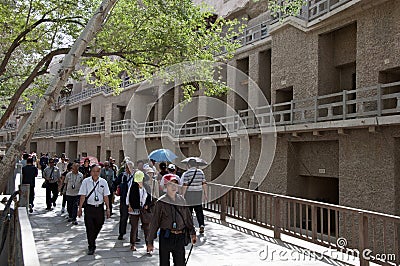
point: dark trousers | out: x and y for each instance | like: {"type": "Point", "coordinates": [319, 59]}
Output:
{"type": "Point", "coordinates": [31, 195]}
{"type": "Point", "coordinates": [174, 244]}
{"type": "Point", "coordinates": [94, 220]}
{"type": "Point", "coordinates": [52, 188]}
{"type": "Point", "coordinates": [72, 206]}
{"type": "Point", "coordinates": [110, 201]}
{"type": "Point", "coordinates": [123, 219]}
{"type": "Point", "coordinates": [134, 221]}
{"type": "Point", "coordinates": [64, 201]}
{"type": "Point", "coordinates": [194, 199]}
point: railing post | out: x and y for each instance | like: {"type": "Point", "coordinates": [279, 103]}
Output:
{"type": "Point", "coordinates": [379, 100]}
{"type": "Point", "coordinates": [291, 112]}
{"type": "Point", "coordinates": [344, 104]}
{"type": "Point", "coordinates": [277, 218]}
{"type": "Point", "coordinates": [315, 109]}
{"type": "Point", "coordinates": [314, 223]}
{"type": "Point", "coordinates": [363, 237]}
{"type": "Point", "coordinates": [223, 208]}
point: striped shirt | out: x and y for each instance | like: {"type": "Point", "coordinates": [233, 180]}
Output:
{"type": "Point", "coordinates": [198, 180]}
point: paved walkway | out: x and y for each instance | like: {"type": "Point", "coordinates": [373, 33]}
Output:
{"type": "Point", "coordinates": [60, 243]}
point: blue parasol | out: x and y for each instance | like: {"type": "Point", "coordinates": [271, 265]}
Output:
{"type": "Point", "coordinates": [162, 155]}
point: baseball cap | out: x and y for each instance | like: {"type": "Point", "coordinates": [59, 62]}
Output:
{"type": "Point", "coordinates": [171, 166]}
{"type": "Point", "coordinates": [170, 177]}
{"type": "Point", "coordinates": [139, 176]}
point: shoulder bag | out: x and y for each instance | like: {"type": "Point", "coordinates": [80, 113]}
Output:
{"type": "Point", "coordinates": [45, 183]}
{"type": "Point", "coordinates": [86, 198]}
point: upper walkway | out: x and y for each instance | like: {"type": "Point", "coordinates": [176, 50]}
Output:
{"type": "Point", "coordinates": [229, 242]}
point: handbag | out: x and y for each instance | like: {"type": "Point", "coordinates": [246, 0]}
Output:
{"type": "Point", "coordinates": [45, 184]}
{"type": "Point", "coordinates": [84, 204]}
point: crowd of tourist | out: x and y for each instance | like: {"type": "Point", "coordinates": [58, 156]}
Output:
{"type": "Point", "coordinates": [154, 193]}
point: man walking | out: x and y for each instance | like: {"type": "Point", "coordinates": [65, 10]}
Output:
{"type": "Point", "coordinates": [124, 181]}
{"type": "Point", "coordinates": [173, 218]}
{"type": "Point", "coordinates": [194, 186]}
{"type": "Point", "coordinates": [108, 174]}
{"type": "Point", "coordinates": [29, 174]}
{"type": "Point", "coordinates": [96, 190]}
{"type": "Point", "coordinates": [51, 174]}
{"type": "Point", "coordinates": [73, 182]}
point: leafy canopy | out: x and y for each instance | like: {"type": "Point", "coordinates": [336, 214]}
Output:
{"type": "Point", "coordinates": [30, 29]}
{"type": "Point", "coordinates": [150, 35]}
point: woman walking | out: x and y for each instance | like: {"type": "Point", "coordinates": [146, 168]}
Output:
{"type": "Point", "coordinates": [138, 201]}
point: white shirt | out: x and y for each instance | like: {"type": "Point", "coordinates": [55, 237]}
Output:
{"type": "Point", "coordinates": [62, 166]}
{"type": "Point", "coordinates": [74, 182]}
{"type": "Point", "coordinates": [100, 191]}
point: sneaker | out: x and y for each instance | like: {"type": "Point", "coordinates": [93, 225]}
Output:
{"type": "Point", "coordinates": [202, 229]}
{"type": "Point", "coordinates": [121, 237]}
{"type": "Point", "coordinates": [75, 223]}
{"type": "Point", "coordinates": [30, 208]}
{"type": "Point", "coordinates": [62, 210]}
{"type": "Point", "coordinates": [49, 209]}
{"type": "Point", "coordinates": [54, 204]}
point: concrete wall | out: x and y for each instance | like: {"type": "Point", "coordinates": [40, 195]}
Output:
{"type": "Point", "coordinates": [294, 62]}
{"type": "Point", "coordinates": [378, 42]}
{"type": "Point", "coordinates": [367, 170]}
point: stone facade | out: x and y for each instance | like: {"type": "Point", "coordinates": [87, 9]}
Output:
{"type": "Point", "coordinates": [347, 162]}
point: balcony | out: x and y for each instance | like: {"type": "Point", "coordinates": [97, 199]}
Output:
{"type": "Point", "coordinates": [373, 101]}
{"type": "Point", "coordinates": [74, 130]}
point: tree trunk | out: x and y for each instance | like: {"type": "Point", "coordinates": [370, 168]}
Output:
{"type": "Point", "coordinates": [58, 81]}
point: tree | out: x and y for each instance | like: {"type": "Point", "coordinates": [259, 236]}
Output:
{"type": "Point", "coordinates": [137, 37]}
{"type": "Point", "coordinates": [32, 33]}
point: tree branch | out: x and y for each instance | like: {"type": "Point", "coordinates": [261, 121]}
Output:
{"type": "Point", "coordinates": [21, 37]}
{"type": "Point", "coordinates": [37, 71]}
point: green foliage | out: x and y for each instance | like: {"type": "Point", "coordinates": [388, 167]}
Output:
{"type": "Point", "coordinates": [148, 36]}
{"type": "Point", "coordinates": [139, 38]}
{"type": "Point", "coordinates": [283, 8]}
{"type": "Point", "coordinates": [30, 29]}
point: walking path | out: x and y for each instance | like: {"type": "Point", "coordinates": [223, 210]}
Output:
{"type": "Point", "coordinates": [61, 243]}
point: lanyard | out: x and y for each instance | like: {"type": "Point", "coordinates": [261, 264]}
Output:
{"type": "Point", "coordinates": [75, 178]}
{"type": "Point", "coordinates": [94, 186]}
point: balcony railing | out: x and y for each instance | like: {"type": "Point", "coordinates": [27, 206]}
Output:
{"type": "Point", "coordinates": [312, 221]}
{"type": "Point", "coordinates": [379, 100]}
{"type": "Point", "coordinates": [74, 130]}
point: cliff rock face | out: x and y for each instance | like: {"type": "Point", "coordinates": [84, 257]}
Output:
{"type": "Point", "coordinates": [236, 8]}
